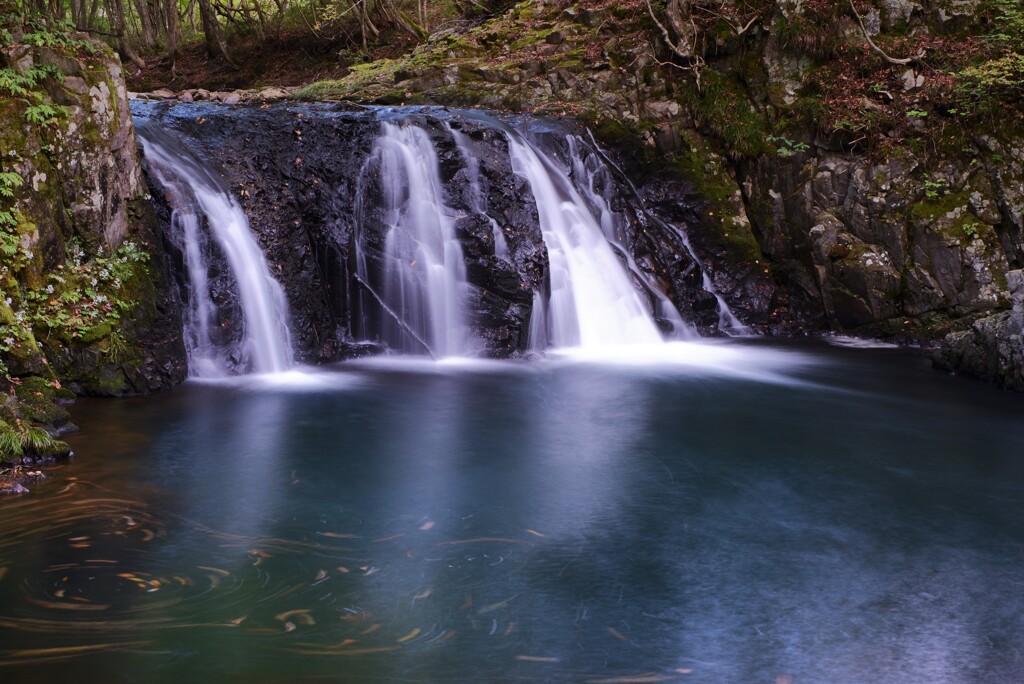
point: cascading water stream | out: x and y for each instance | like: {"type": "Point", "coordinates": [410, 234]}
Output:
{"type": "Point", "coordinates": [424, 279]}
{"type": "Point", "coordinates": [592, 301]}
{"type": "Point", "coordinates": [194, 193]}
{"type": "Point", "coordinates": [591, 174]}
{"type": "Point", "coordinates": [478, 202]}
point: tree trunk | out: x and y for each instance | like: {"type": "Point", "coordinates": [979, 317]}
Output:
{"type": "Point", "coordinates": [216, 46]}
{"type": "Point", "coordinates": [148, 31]}
{"type": "Point", "coordinates": [172, 33]}
{"type": "Point", "coordinates": [115, 13]}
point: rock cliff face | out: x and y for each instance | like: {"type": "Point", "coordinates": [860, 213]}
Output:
{"type": "Point", "coordinates": [82, 273]}
{"type": "Point", "coordinates": [857, 170]}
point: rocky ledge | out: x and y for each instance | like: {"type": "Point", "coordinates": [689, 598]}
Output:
{"type": "Point", "coordinates": [993, 348]}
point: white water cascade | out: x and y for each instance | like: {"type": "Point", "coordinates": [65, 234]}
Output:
{"type": "Point", "coordinates": [424, 271]}
{"type": "Point", "coordinates": [592, 301]}
{"type": "Point", "coordinates": [194, 193]}
{"type": "Point", "coordinates": [478, 202]}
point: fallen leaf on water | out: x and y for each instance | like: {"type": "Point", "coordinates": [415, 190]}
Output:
{"type": "Point", "coordinates": [537, 659]}
{"type": "Point", "coordinates": [222, 573]}
{"type": "Point", "coordinates": [303, 615]}
{"type": "Point", "coordinates": [510, 630]}
{"type": "Point", "coordinates": [67, 606]}
{"type": "Point", "coordinates": [535, 533]}
{"type": "Point", "coordinates": [617, 634]}
{"type": "Point", "coordinates": [410, 635]}
{"type": "Point", "coordinates": [289, 627]}
{"type": "Point", "coordinates": [345, 652]}
{"type": "Point", "coordinates": [337, 535]}
{"type": "Point", "coordinates": [80, 546]}
{"type": "Point", "coordinates": [684, 670]}
{"type": "Point", "coordinates": [410, 554]}
{"type": "Point", "coordinates": [386, 539]}
{"type": "Point", "coordinates": [320, 575]}
{"type": "Point", "coordinates": [645, 678]}
{"type": "Point", "coordinates": [342, 568]}
{"type": "Point", "coordinates": [258, 553]}
{"type": "Point", "coordinates": [503, 540]}
{"type": "Point", "coordinates": [362, 616]}
{"type": "Point", "coordinates": [371, 629]}
{"type": "Point", "coordinates": [79, 539]}
{"type": "Point", "coordinates": [444, 637]}
{"type": "Point", "coordinates": [239, 620]}
{"type": "Point", "coordinates": [148, 535]}
{"type": "Point", "coordinates": [424, 594]}
{"type": "Point", "coordinates": [65, 650]}
{"type": "Point", "coordinates": [495, 606]}
{"type": "Point", "coordinates": [429, 525]}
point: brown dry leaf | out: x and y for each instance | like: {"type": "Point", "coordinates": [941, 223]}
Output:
{"type": "Point", "coordinates": [535, 533]}
{"type": "Point", "coordinates": [410, 635]}
{"type": "Point", "coordinates": [320, 575]}
{"type": "Point", "coordinates": [617, 634]}
{"type": "Point", "coordinates": [645, 678]}
{"type": "Point", "coordinates": [337, 535]}
{"type": "Point", "coordinates": [371, 629]}
{"type": "Point", "coordinates": [298, 613]}
{"type": "Point", "coordinates": [424, 594]}
{"type": "Point", "coordinates": [289, 626]}
{"type": "Point", "coordinates": [429, 525]}
{"type": "Point", "coordinates": [537, 659]}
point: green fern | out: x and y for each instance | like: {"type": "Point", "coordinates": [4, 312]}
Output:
{"type": "Point", "coordinates": [44, 114]}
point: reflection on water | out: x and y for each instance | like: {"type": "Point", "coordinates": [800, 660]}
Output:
{"type": "Point", "coordinates": [821, 514]}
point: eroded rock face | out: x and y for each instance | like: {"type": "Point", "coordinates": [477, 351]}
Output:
{"type": "Point", "coordinates": [993, 348]}
{"type": "Point", "coordinates": [314, 203]}
{"type": "Point", "coordinates": [883, 244]}
{"type": "Point", "coordinates": [82, 198]}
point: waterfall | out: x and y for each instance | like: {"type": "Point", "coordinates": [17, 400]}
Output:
{"type": "Point", "coordinates": [478, 202]}
{"type": "Point", "coordinates": [592, 300]}
{"type": "Point", "coordinates": [424, 274]}
{"type": "Point", "coordinates": [728, 323]}
{"type": "Point", "coordinates": [196, 193]}
{"type": "Point", "coordinates": [594, 182]}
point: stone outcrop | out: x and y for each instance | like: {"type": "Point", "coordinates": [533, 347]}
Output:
{"type": "Point", "coordinates": [83, 274]}
{"type": "Point", "coordinates": [993, 348]}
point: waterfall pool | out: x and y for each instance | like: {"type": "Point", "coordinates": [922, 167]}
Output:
{"type": "Point", "coordinates": [719, 512]}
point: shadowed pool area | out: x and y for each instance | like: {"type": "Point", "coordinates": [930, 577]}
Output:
{"type": "Point", "coordinates": [761, 513]}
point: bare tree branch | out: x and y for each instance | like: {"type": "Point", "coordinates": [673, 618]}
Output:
{"type": "Point", "coordinates": [890, 60]}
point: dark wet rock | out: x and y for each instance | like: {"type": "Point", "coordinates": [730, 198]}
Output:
{"type": "Point", "coordinates": [993, 348]}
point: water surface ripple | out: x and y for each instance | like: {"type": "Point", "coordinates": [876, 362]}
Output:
{"type": "Point", "coordinates": [797, 513]}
